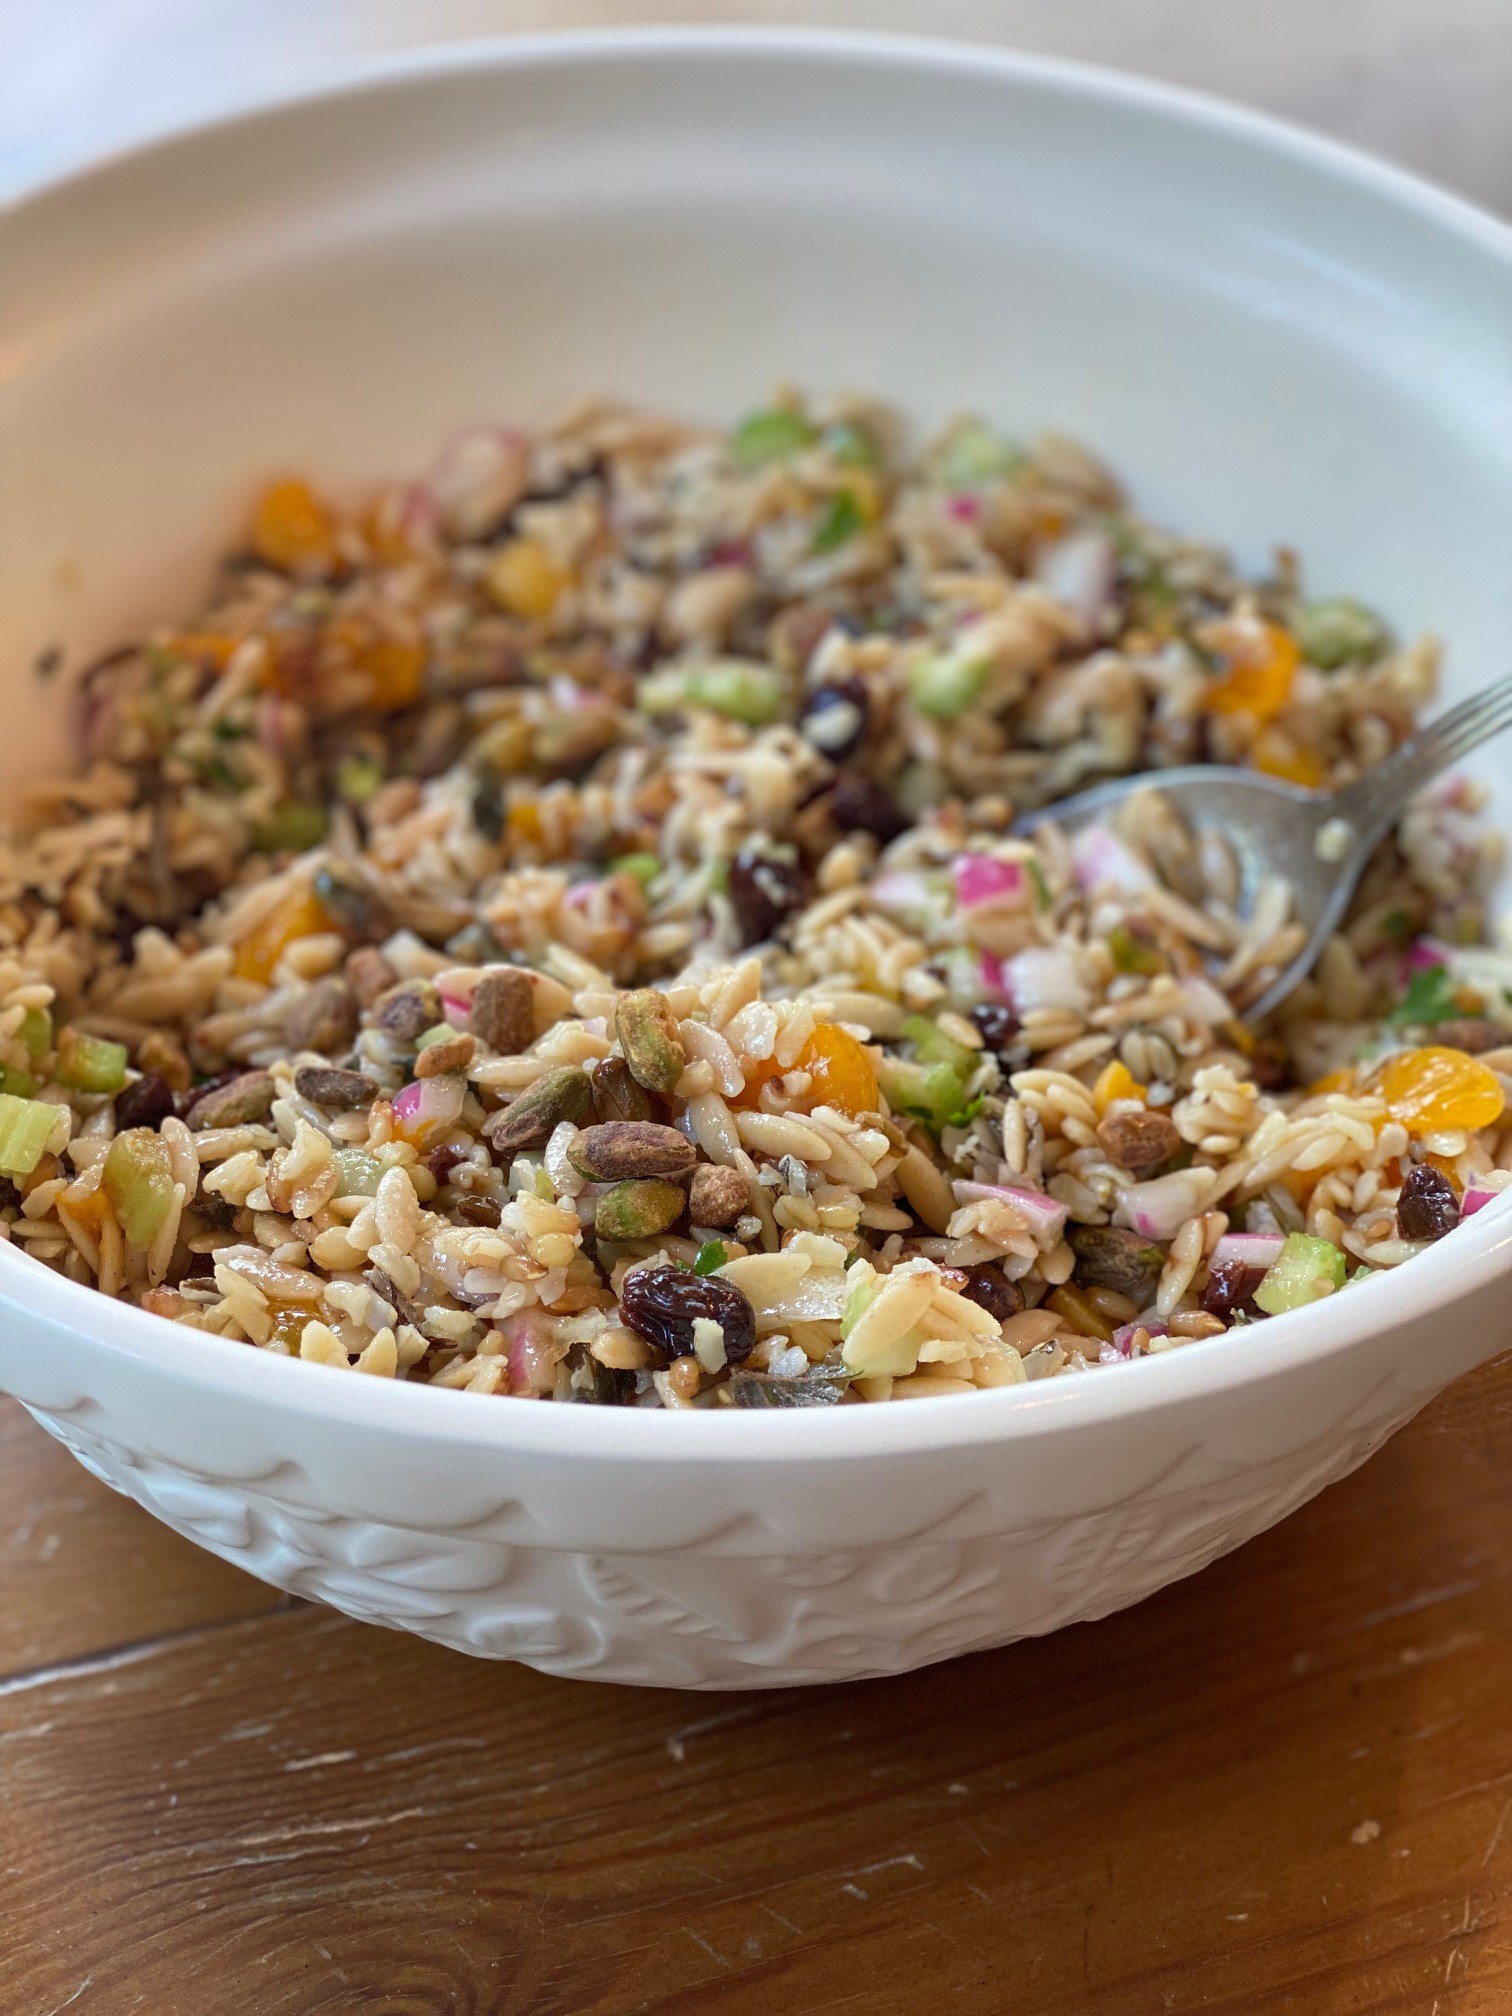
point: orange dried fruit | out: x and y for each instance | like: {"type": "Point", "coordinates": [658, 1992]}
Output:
{"type": "Point", "coordinates": [1278, 756]}
{"type": "Point", "coordinates": [842, 1070]}
{"type": "Point", "coordinates": [524, 579]}
{"type": "Point", "coordinates": [300, 914]}
{"type": "Point", "coordinates": [294, 530]}
{"type": "Point", "coordinates": [1115, 1081]}
{"type": "Point", "coordinates": [1437, 1089]}
{"type": "Point", "coordinates": [1262, 660]}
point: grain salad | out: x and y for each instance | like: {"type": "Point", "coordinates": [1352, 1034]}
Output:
{"type": "Point", "coordinates": [552, 929]}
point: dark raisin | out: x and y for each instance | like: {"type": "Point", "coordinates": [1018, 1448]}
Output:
{"type": "Point", "coordinates": [834, 719]}
{"type": "Point", "coordinates": [488, 807]}
{"type": "Point", "coordinates": [146, 1102]}
{"type": "Point", "coordinates": [996, 1023]}
{"type": "Point", "coordinates": [661, 1304]}
{"type": "Point", "coordinates": [1426, 1204]}
{"type": "Point", "coordinates": [991, 1289]}
{"type": "Point", "coordinates": [1231, 1286]}
{"type": "Point", "coordinates": [10, 1196]}
{"type": "Point", "coordinates": [765, 891]}
{"type": "Point", "coordinates": [476, 1211]}
{"type": "Point", "coordinates": [859, 806]}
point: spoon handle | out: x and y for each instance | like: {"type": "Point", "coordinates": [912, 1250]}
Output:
{"type": "Point", "coordinates": [1373, 804]}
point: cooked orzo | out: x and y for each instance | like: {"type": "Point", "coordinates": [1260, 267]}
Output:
{"type": "Point", "coordinates": [553, 930]}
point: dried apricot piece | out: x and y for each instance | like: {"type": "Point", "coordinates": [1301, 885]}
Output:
{"type": "Point", "coordinates": [1115, 1081]}
{"type": "Point", "coordinates": [1279, 756]}
{"type": "Point", "coordinates": [1261, 660]}
{"type": "Point", "coordinates": [1435, 1090]}
{"type": "Point", "coordinates": [294, 530]}
{"type": "Point", "coordinates": [524, 579]}
{"type": "Point", "coordinates": [842, 1070]}
{"type": "Point", "coordinates": [300, 914]}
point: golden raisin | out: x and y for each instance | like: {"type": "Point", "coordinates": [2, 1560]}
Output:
{"type": "Point", "coordinates": [525, 580]}
{"type": "Point", "coordinates": [294, 531]}
{"type": "Point", "coordinates": [301, 914]}
{"type": "Point", "coordinates": [1436, 1089]}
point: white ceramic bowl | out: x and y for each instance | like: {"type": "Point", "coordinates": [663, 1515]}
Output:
{"type": "Point", "coordinates": [1273, 340]}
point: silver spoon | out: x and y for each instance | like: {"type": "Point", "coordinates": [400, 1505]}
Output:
{"type": "Point", "coordinates": [1317, 841]}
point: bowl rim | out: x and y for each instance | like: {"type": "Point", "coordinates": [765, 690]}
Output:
{"type": "Point", "coordinates": [1479, 1253]}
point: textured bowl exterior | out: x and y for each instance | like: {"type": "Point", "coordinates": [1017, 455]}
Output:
{"type": "Point", "coordinates": [678, 215]}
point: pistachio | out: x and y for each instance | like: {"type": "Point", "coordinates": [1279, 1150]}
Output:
{"type": "Point", "coordinates": [323, 1017]}
{"type": "Point", "coordinates": [246, 1097]}
{"type": "Point", "coordinates": [638, 1210]}
{"type": "Point", "coordinates": [342, 1091]}
{"type": "Point", "coordinates": [370, 974]}
{"type": "Point", "coordinates": [1109, 1257]}
{"type": "Point", "coordinates": [651, 1039]}
{"type": "Point", "coordinates": [618, 1149]}
{"type": "Point", "coordinates": [717, 1196]}
{"type": "Point", "coordinates": [616, 1096]}
{"type": "Point", "coordinates": [452, 1053]}
{"type": "Point", "coordinates": [1137, 1140]}
{"type": "Point", "coordinates": [408, 1010]}
{"type": "Point", "coordinates": [528, 1121]}
{"type": "Point", "coordinates": [503, 1010]}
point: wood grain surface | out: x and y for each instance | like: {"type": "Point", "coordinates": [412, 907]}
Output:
{"type": "Point", "coordinates": [1283, 1786]}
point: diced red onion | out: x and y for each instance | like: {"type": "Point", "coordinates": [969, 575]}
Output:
{"type": "Point", "coordinates": [983, 878]}
{"type": "Point", "coordinates": [1044, 977]}
{"type": "Point", "coordinates": [428, 1106]}
{"type": "Point", "coordinates": [1250, 1249]}
{"type": "Point", "coordinates": [902, 893]}
{"type": "Point", "coordinates": [1422, 954]}
{"type": "Point", "coordinates": [963, 508]}
{"type": "Point", "coordinates": [1045, 1216]}
{"type": "Point", "coordinates": [1158, 1209]}
{"type": "Point", "coordinates": [1477, 1196]}
{"type": "Point", "coordinates": [1122, 1345]}
{"type": "Point", "coordinates": [1100, 860]}
{"type": "Point", "coordinates": [1080, 571]}
{"type": "Point", "coordinates": [482, 474]}
{"type": "Point", "coordinates": [1203, 1002]}
{"type": "Point", "coordinates": [532, 1351]}
{"type": "Point", "coordinates": [732, 553]}
{"type": "Point", "coordinates": [456, 1010]}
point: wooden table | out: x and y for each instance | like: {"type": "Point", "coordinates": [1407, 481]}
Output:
{"type": "Point", "coordinates": [1285, 1785]}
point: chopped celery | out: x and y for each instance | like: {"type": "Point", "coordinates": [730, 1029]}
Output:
{"type": "Point", "coordinates": [290, 828]}
{"type": "Point", "coordinates": [849, 443]}
{"type": "Point", "coordinates": [439, 1032]}
{"type": "Point", "coordinates": [138, 1180]}
{"type": "Point", "coordinates": [946, 683]}
{"type": "Point", "coordinates": [741, 690]}
{"type": "Point", "coordinates": [357, 1172]}
{"type": "Point", "coordinates": [1306, 1269]}
{"type": "Point", "coordinates": [644, 867]}
{"type": "Point", "coordinates": [26, 1127]}
{"type": "Point", "coordinates": [841, 522]}
{"type": "Point", "coordinates": [90, 1063]}
{"type": "Point", "coordinates": [711, 1256]}
{"type": "Point", "coordinates": [1042, 896]}
{"type": "Point", "coordinates": [933, 1046]}
{"type": "Point", "coordinates": [36, 1031]}
{"type": "Point", "coordinates": [1337, 631]}
{"type": "Point", "coordinates": [357, 778]}
{"type": "Point", "coordinates": [1132, 954]}
{"type": "Point", "coordinates": [934, 1093]}
{"type": "Point", "coordinates": [974, 454]}
{"type": "Point", "coordinates": [21, 1083]}
{"type": "Point", "coordinates": [858, 1300]}
{"type": "Point", "coordinates": [769, 436]}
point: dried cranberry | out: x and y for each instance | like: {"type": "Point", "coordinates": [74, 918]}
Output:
{"type": "Point", "coordinates": [1426, 1204]}
{"type": "Point", "coordinates": [765, 891]}
{"type": "Point", "coordinates": [1231, 1285]}
{"type": "Point", "coordinates": [834, 719]}
{"type": "Point", "coordinates": [662, 1304]}
{"type": "Point", "coordinates": [146, 1102]}
{"type": "Point", "coordinates": [996, 1022]}
{"type": "Point", "coordinates": [991, 1289]}
{"type": "Point", "coordinates": [441, 1161]}
{"type": "Point", "coordinates": [859, 806]}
